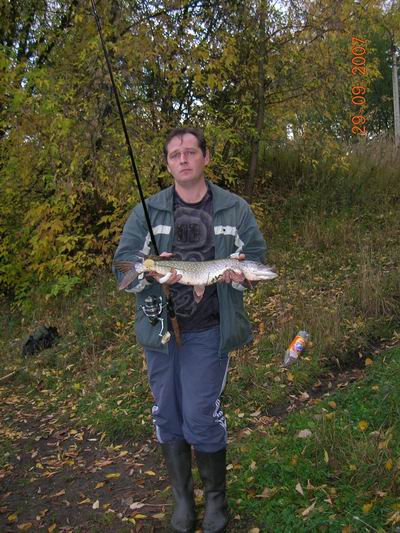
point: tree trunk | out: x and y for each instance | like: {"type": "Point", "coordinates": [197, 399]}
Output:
{"type": "Point", "coordinates": [255, 145]}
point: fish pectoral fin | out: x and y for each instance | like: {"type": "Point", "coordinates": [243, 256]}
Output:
{"type": "Point", "coordinates": [198, 292]}
{"type": "Point", "coordinates": [128, 278]}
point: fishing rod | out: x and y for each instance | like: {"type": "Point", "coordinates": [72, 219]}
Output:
{"type": "Point", "coordinates": [166, 289]}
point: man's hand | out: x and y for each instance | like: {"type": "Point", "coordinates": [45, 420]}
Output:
{"type": "Point", "coordinates": [230, 275]}
{"type": "Point", "coordinates": [175, 277]}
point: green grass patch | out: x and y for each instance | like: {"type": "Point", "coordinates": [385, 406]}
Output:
{"type": "Point", "coordinates": [345, 473]}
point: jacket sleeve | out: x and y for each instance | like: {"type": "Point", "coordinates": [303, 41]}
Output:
{"type": "Point", "coordinates": [134, 239]}
{"type": "Point", "coordinates": [252, 242]}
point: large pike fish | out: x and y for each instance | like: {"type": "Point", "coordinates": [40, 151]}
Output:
{"type": "Point", "coordinates": [195, 273]}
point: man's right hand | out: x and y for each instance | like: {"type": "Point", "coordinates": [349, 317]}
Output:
{"type": "Point", "coordinates": [175, 277]}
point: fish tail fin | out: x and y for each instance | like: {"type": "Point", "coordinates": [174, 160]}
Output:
{"type": "Point", "coordinates": [129, 269]}
{"type": "Point", "coordinates": [127, 279]}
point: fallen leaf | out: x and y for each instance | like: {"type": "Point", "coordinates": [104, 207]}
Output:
{"type": "Point", "coordinates": [367, 507]}
{"type": "Point", "coordinates": [346, 529]}
{"type": "Point", "coordinates": [253, 465]}
{"type": "Point", "coordinates": [51, 528]}
{"type": "Point", "coordinates": [25, 526]}
{"type": "Point", "coordinates": [326, 457]}
{"type": "Point", "coordinates": [266, 493]}
{"type": "Point", "coordinates": [86, 500]}
{"type": "Point", "coordinates": [96, 504]}
{"type": "Point", "coordinates": [368, 361]}
{"type": "Point", "coordinates": [299, 489]}
{"type": "Point", "coordinates": [113, 475]}
{"type": "Point", "coordinates": [12, 517]}
{"type": "Point", "coordinates": [58, 494]}
{"type": "Point", "coordinates": [254, 530]}
{"type": "Point", "coordinates": [304, 434]}
{"type": "Point", "coordinates": [362, 425]}
{"type": "Point", "coordinates": [138, 516]}
{"type": "Point", "coordinates": [150, 473]}
{"type": "Point", "coordinates": [307, 511]}
{"type": "Point", "coordinates": [389, 465]}
{"type": "Point", "coordinates": [136, 505]}
{"type": "Point", "coordinates": [332, 404]}
{"type": "Point", "coordinates": [99, 485]}
{"type": "Point", "coordinates": [159, 516]}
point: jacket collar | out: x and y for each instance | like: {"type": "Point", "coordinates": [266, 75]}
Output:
{"type": "Point", "coordinates": [163, 200]}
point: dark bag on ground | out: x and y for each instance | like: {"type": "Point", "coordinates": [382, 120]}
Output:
{"type": "Point", "coordinates": [44, 337]}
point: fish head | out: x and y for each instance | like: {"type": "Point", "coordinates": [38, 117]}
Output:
{"type": "Point", "coordinates": [255, 271]}
{"type": "Point", "coordinates": [149, 264]}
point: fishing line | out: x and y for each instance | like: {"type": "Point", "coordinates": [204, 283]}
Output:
{"type": "Point", "coordinates": [166, 289]}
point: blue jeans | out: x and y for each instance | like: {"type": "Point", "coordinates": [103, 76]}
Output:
{"type": "Point", "coordinates": [186, 384]}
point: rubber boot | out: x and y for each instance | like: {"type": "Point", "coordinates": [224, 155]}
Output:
{"type": "Point", "coordinates": [212, 469]}
{"type": "Point", "coordinates": [178, 458]}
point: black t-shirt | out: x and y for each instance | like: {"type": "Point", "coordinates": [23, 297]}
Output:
{"type": "Point", "coordinates": [194, 241]}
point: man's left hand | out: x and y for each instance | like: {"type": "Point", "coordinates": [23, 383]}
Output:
{"type": "Point", "coordinates": [230, 275]}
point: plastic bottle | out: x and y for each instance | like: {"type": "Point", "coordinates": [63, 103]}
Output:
{"type": "Point", "coordinates": [296, 348]}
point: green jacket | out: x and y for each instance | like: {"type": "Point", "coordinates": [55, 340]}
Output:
{"type": "Point", "coordinates": [235, 231]}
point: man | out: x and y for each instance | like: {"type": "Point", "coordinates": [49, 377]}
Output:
{"type": "Point", "coordinates": [193, 220]}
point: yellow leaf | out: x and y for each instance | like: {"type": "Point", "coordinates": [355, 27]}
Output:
{"type": "Point", "coordinates": [332, 404]}
{"type": "Point", "coordinates": [290, 376]}
{"type": "Point", "coordinates": [25, 526]}
{"type": "Point", "coordinates": [254, 530]}
{"type": "Point", "coordinates": [362, 425]}
{"type": "Point", "coordinates": [326, 457]}
{"type": "Point", "coordinates": [253, 465]}
{"type": "Point", "coordinates": [113, 476]}
{"type": "Point", "coordinates": [51, 528]}
{"type": "Point", "coordinates": [375, 387]}
{"type": "Point", "coordinates": [150, 473]}
{"type": "Point", "coordinates": [12, 517]}
{"type": "Point", "coordinates": [346, 529]}
{"type": "Point", "coordinates": [368, 361]}
{"type": "Point", "coordinates": [389, 465]}
{"type": "Point", "coordinates": [140, 516]}
{"type": "Point", "coordinates": [99, 485]}
{"type": "Point", "coordinates": [86, 500]}
{"type": "Point", "coordinates": [352, 467]}
{"type": "Point", "coordinates": [367, 507]}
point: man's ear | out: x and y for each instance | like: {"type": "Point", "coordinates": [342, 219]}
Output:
{"type": "Point", "coordinates": [207, 157]}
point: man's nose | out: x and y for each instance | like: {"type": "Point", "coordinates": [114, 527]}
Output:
{"type": "Point", "coordinates": [183, 157]}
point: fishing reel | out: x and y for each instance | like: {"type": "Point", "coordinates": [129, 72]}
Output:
{"type": "Point", "coordinates": [153, 308]}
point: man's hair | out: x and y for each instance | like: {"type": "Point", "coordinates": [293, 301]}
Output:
{"type": "Point", "coordinates": [180, 132]}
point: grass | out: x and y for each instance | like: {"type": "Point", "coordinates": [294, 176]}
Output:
{"type": "Point", "coordinates": [348, 467]}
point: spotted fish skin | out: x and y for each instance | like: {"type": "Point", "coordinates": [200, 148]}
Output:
{"type": "Point", "coordinates": [195, 273]}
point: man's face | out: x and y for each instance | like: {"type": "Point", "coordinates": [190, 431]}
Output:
{"type": "Point", "coordinates": [185, 160]}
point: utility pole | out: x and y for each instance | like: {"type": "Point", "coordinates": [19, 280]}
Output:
{"type": "Point", "coordinates": [396, 111]}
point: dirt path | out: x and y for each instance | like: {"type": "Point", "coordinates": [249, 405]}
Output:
{"type": "Point", "coordinates": [59, 477]}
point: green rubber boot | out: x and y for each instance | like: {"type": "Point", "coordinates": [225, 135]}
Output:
{"type": "Point", "coordinates": [178, 458]}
